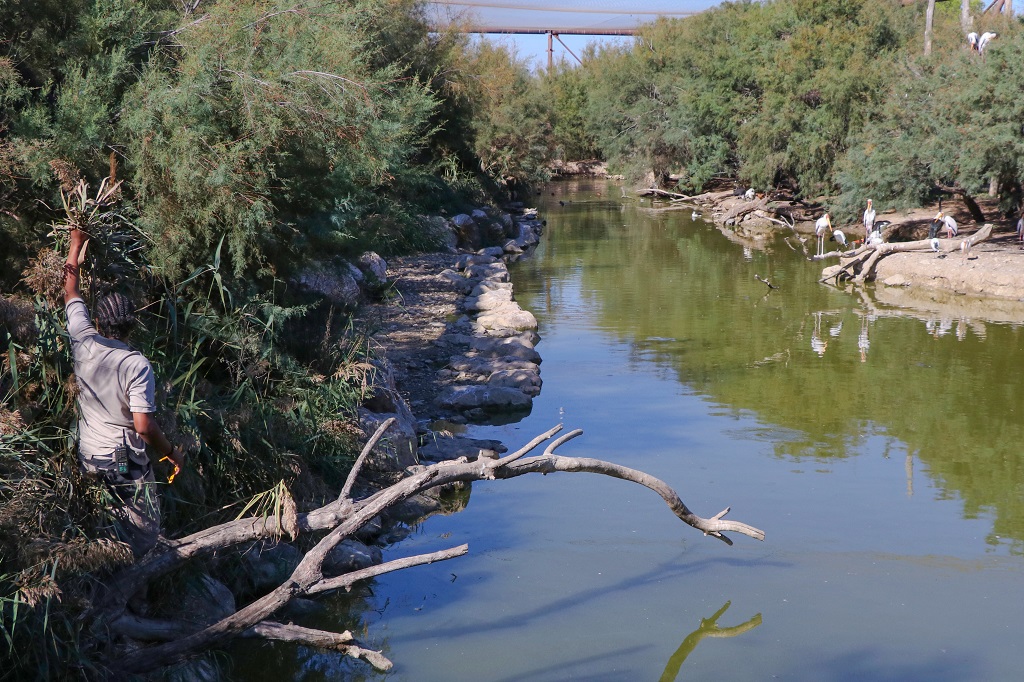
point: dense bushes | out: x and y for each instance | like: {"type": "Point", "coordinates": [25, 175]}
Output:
{"type": "Point", "coordinates": [250, 137]}
{"type": "Point", "coordinates": [826, 97]}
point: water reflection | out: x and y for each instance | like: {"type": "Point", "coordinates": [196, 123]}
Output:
{"type": "Point", "coordinates": [708, 628]}
{"type": "Point", "coordinates": [818, 345]}
{"type": "Point", "coordinates": [863, 342]}
{"type": "Point", "coordinates": [670, 278]}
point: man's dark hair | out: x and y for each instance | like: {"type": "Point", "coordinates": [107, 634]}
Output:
{"type": "Point", "coordinates": [115, 316]}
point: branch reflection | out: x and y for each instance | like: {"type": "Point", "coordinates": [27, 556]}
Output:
{"type": "Point", "coordinates": [708, 628]}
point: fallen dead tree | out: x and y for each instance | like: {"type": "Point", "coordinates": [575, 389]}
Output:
{"type": "Point", "coordinates": [337, 521]}
{"type": "Point", "coordinates": [859, 264]}
{"type": "Point", "coordinates": [655, 192]}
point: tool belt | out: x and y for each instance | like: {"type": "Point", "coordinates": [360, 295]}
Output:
{"type": "Point", "coordinates": [120, 466]}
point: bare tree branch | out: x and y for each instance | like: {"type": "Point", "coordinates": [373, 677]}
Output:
{"type": "Point", "coordinates": [321, 639]}
{"type": "Point", "coordinates": [346, 491]}
{"type": "Point", "coordinates": [346, 581]}
{"type": "Point", "coordinates": [342, 518]}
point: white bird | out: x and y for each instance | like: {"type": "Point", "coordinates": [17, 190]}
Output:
{"type": "Point", "coordinates": [972, 40]}
{"type": "Point", "coordinates": [985, 39]}
{"type": "Point", "coordinates": [1020, 228]}
{"type": "Point", "coordinates": [951, 226]}
{"type": "Point", "coordinates": [695, 216]}
{"type": "Point", "coordinates": [821, 225]}
{"type": "Point", "coordinates": [875, 238]}
{"type": "Point", "coordinates": [839, 237]}
{"type": "Point", "coordinates": [749, 194]}
{"type": "Point", "coordinates": [869, 219]}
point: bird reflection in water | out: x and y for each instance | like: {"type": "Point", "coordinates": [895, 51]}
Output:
{"type": "Point", "coordinates": [863, 343]}
{"type": "Point", "coordinates": [708, 628]}
{"type": "Point", "coordinates": [817, 344]}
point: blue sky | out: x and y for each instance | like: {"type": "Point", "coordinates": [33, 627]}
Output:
{"type": "Point", "coordinates": [562, 14]}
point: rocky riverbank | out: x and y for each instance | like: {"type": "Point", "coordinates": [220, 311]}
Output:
{"type": "Point", "coordinates": [452, 345]}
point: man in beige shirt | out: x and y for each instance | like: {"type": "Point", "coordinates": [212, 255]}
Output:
{"type": "Point", "coordinates": [116, 403]}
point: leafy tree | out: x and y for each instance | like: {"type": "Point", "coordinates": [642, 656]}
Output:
{"type": "Point", "coordinates": [565, 88]}
{"type": "Point", "coordinates": [510, 126]}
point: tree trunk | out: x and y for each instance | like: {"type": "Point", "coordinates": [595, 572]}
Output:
{"type": "Point", "coordinates": [929, 20]}
{"type": "Point", "coordinates": [973, 207]}
{"type": "Point", "coordinates": [860, 265]}
{"type": "Point", "coordinates": [966, 20]}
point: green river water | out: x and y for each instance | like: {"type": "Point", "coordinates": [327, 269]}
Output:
{"type": "Point", "coordinates": [881, 449]}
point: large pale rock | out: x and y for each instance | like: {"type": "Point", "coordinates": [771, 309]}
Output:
{"type": "Point", "coordinates": [374, 267]}
{"type": "Point", "coordinates": [509, 317]}
{"type": "Point", "coordinates": [526, 380]}
{"type": "Point", "coordinates": [489, 300]}
{"type": "Point", "coordinates": [489, 285]}
{"type": "Point", "coordinates": [517, 347]}
{"type": "Point", "coordinates": [457, 281]}
{"type": "Point", "coordinates": [486, 398]}
{"type": "Point", "coordinates": [485, 366]}
{"type": "Point", "coordinates": [492, 251]}
{"type": "Point", "coordinates": [469, 259]}
{"type": "Point", "coordinates": [526, 235]}
{"type": "Point", "coordinates": [497, 272]}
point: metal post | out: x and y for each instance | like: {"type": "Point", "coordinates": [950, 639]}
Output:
{"type": "Point", "coordinates": [551, 52]}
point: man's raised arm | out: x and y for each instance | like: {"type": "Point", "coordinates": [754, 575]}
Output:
{"type": "Point", "coordinates": [73, 265]}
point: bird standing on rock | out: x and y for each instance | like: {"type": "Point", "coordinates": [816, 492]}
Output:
{"type": "Point", "coordinates": [869, 220]}
{"type": "Point", "coordinates": [821, 225]}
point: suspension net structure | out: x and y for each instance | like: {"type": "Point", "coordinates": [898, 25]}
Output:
{"type": "Point", "coordinates": [554, 17]}
{"type": "Point", "coordinates": [586, 17]}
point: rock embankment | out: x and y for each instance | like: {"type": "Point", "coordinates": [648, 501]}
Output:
{"type": "Point", "coordinates": [450, 343]}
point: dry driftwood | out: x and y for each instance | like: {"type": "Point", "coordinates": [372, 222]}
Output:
{"type": "Point", "coordinates": [654, 192]}
{"type": "Point", "coordinates": [860, 263]}
{"type": "Point", "coordinates": [339, 520]}
{"type": "Point", "coordinates": [740, 210]}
